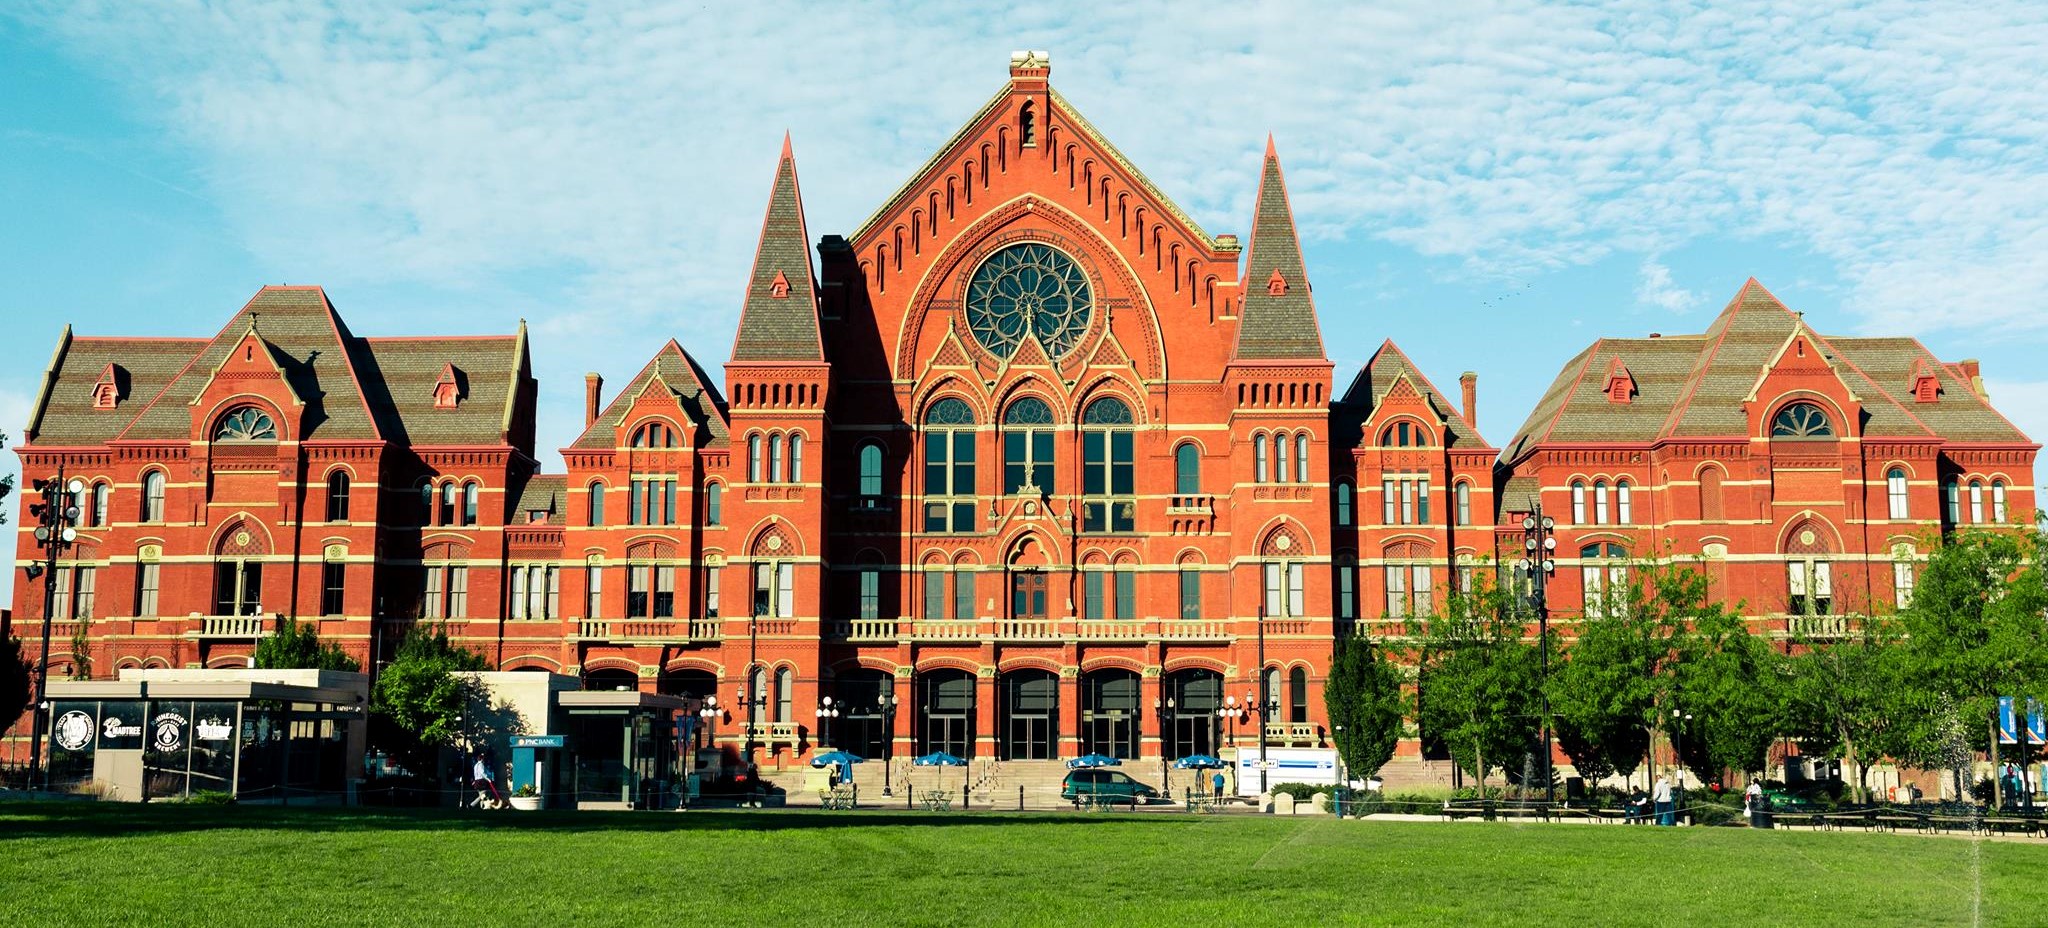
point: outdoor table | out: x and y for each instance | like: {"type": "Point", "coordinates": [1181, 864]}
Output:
{"type": "Point", "coordinates": [938, 800]}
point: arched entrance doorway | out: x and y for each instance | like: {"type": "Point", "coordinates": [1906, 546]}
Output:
{"type": "Point", "coordinates": [611, 678]}
{"type": "Point", "coordinates": [692, 684]}
{"type": "Point", "coordinates": [1192, 697]}
{"type": "Point", "coordinates": [1110, 713]}
{"type": "Point", "coordinates": [1031, 715]}
{"type": "Point", "coordinates": [862, 727]}
{"type": "Point", "coordinates": [945, 712]}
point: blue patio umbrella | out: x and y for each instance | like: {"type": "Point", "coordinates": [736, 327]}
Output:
{"type": "Point", "coordinates": [1198, 762]}
{"type": "Point", "coordinates": [1094, 760]}
{"type": "Point", "coordinates": [941, 759]}
{"type": "Point", "coordinates": [842, 759]}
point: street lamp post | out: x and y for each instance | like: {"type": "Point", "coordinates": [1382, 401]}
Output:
{"type": "Point", "coordinates": [55, 516]}
{"type": "Point", "coordinates": [1266, 707]}
{"type": "Point", "coordinates": [887, 709]}
{"type": "Point", "coordinates": [826, 713]}
{"type": "Point", "coordinates": [1539, 552]}
{"type": "Point", "coordinates": [1679, 720]}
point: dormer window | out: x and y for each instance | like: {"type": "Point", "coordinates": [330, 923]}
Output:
{"type": "Point", "coordinates": [1926, 386]}
{"type": "Point", "coordinates": [106, 392]}
{"type": "Point", "coordinates": [779, 287]}
{"type": "Point", "coordinates": [1276, 285]}
{"type": "Point", "coordinates": [1621, 385]}
{"type": "Point", "coordinates": [447, 390]}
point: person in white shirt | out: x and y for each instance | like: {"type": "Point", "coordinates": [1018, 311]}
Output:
{"type": "Point", "coordinates": [1661, 795]}
{"type": "Point", "coordinates": [1753, 799]}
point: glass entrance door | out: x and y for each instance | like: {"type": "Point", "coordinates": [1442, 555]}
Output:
{"type": "Point", "coordinates": [1031, 706]}
{"type": "Point", "coordinates": [1109, 714]}
{"type": "Point", "coordinates": [945, 708]}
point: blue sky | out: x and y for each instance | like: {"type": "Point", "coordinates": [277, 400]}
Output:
{"type": "Point", "coordinates": [1491, 185]}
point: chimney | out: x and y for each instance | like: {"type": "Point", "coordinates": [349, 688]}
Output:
{"type": "Point", "coordinates": [1973, 374]}
{"type": "Point", "coordinates": [593, 386]}
{"type": "Point", "coordinates": [1470, 382]}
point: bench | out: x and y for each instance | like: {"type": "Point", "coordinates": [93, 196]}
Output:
{"type": "Point", "coordinates": [2006, 824]}
{"type": "Point", "coordinates": [1538, 811]}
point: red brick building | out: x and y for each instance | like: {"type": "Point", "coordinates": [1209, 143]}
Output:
{"type": "Point", "coordinates": [1809, 473]}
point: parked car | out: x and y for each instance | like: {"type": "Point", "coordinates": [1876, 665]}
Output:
{"type": "Point", "coordinates": [1104, 786]}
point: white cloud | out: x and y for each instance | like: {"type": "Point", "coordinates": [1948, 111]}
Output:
{"type": "Point", "coordinates": [1655, 288]}
{"type": "Point", "coordinates": [632, 143]}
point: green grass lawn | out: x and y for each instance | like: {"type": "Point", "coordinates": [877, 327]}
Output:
{"type": "Point", "coordinates": [80, 863]}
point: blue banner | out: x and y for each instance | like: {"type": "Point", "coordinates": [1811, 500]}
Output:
{"type": "Point", "coordinates": [2008, 728]}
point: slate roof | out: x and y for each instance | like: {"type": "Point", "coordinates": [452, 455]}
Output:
{"type": "Point", "coordinates": [1273, 327]}
{"type": "Point", "coordinates": [781, 328]}
{"type": "Point", "coordinates": [684, 377]}
{"type": "Point", "coordinates": [354, 388]}
{"type": "Point", "coordinates": [1694, 385]}
{"type": "Point", "coordinates": [1384, 370]}
{"type": "Point", "coordinates": [545, 492]}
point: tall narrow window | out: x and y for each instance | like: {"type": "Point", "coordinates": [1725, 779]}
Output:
{"type": "Point", "coordinates": [518, 592]}
{"type": "Point", "coordinates": [147, 582]}
{"type": "Point", "coordinates": [1624, 503]}
{"type": "Point", "coordinates": [1347, 590]}
{"type": "Point", "coordinates": [949, 467]}
{"type": "Point", "coordinates": [639, 584]}
{"type": "Point", "coordinates": [1187, 469]}
{"type": "Point", "coordinates": [711, 585]}
{"type": "Point", "coordinates": [1998, 501]}
{"type": "Point", "coordinates": [634, 491]}
{"type": "Point", "coordinates": [870, 476]}
{"type": "Point", "coordinates": [333, 587]}
{"type": "Point", "coordinates": [963, 594]}
{"type": "Point", "coordinates": [1421, 587]}
{"type": "Point", "coordinates": [796, 459]}
{"type": "Point", "coordinates": [1344, 504]}
{"type": "Point", "coordinates": [1108, 483]}
{"type": "Point", "coordinates": [668, 502]}
{"type": "Point", "coordinates": [433, 598]}
{"type": "Point", "coordinates": [1422, 500]}
{"type": "Point", "coordinates": [1397, 591]}
{"type": "Point", "coordinates": [934, 592]}
{"type": "Point", "coordinates": [153, 496]}
{"type": "Point", "coordinates": [1407, 502]}
{"type": "Point", "coordinates": [1094, 596]}
{"type": "Point", "coordinates": [1710, 495]}
{"type": "Point", "coordinates": [774, 459]}
{"type": "Point", "coordinates": [237, 587]}
{"type": "Point", "coordinates": [86, 586]}
{"type": "Point", "coordinates": [1301, 457]}
{"type": "Point", "coordinates": [871, 593]}
{"type": "Point", "coordinates": [754, 458]}
{"type": "Point", "coordinates": [593, 589]}
{"type": "Point", "coordinates": [714, 504]}
{"type": "Point", "coordinates": [785, 694]}
{"type": "Point", "coordinates": [1603, 574]}
{"type": "Point", "coordinates": [665, 591]}
{"type": "Point", "coordinates": [1578, 502]}
{"type": "Point", "coordinates": [1902, 582]}
{"type": "Point", "coordinates": [1464, 500]}
{"type": "Point", "coordinates": [1387, 493]}
{"type": "Point", "coordinates": [448, 495]}
{"type": "Point", "coordinates": [1977, 501]}
{"type": "Point", "coordinates": [1297, 695]}
{"type": "Point", "coordinates": [100, 494]}
{"type": "Point", "coordinates": [469, 494]}
{"type": "Point", "coordinates": [1126, 594]}
{"type": "Point", "coordinates": [1259, 458]}
{"type": "Point", "coordinates": [1895, 493]}
{"type": "Point", "coordinates": [458, 592]}
{"type": "Point", "coordinates": [1280, 457]}
{"type": "Point", "coordinates": [1027, 446]}
{"type": "Point", "coordinates": [1599, 502]}
{"type": "Point", "coordinates": [1190, 593]}
{"type": "Point", "coordinates": [1952, 494]}
{"type": "Point", "coordinates": [337, 496]}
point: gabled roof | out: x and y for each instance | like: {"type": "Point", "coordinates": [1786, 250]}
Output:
{"type": "Point", "coordinates": [1072, 120]}
{"type": "Point", "coordinates": [309, 342]}
{"type": "Point", "coordinates": [1386, 368]}
{"type": "Point", "coordinates": [544, 492]}
{"type": "Point", "coordinates": [400, 375]}
{"type": "Point", "coordinates": [780, 323]}
{"type": "Point", "coordinates": [681, 374]}
{"type": "Point", "coordinates": [1695, 385]}
{"type": "Point", "coordinates": [1278, 319]}
{"type": "Point", "coordinates": [64, 413]}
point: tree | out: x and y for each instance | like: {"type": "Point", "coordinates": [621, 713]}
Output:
{"type": "Point", "coordinates": [1852, 699]}
{"type": "Point", "coordinates": [297, 646]}
{"type": "Point", "coordinates": [1363, 697]}
{"type": "Point", "coordinates": [1731, 684]}
{"type": "Point", "coordinates": [1478, 687]}
{"type": "Point", "coordinates": [419, 705]}
{"type": "Point", "coordinates": [16, 675]}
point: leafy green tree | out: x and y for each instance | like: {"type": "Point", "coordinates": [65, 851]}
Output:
{"type": "Point", "coordinates": [81, 652]}
{"type": "Point", "coordinates": [1732, 684]}
{"type": "Point", "coordinates": [296, 646]}
{"type": "Point", "coordinates": [1478, 687]}
{"type": "Point", "coordinates": [1854, 699]}
{"type": "Point", "coordinates": [1365, 704]}
{"type": "Point", "coordinates": [16, 675]}
{"type": "Point", "coordinates": [419, 705]}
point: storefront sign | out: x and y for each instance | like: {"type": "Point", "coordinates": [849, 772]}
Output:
{"type": "Point", "coordinates": [211, 729]}
{"type": "Point", "coordinates": [113, 726]}
{"type": "Point", "coordinates": [538, 741]}
{"type": "Point", "coordinates": [73, 731]}
{"type": "Point", "coordinates": [168, 732]}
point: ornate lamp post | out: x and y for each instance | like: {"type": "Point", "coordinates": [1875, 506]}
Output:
{"type": "Point", "coordinates": [887, 709]}
{"type": "Point", "coordinates": [1539, 553]}
{"type": "Point", "coordinates": [1679, 720]}
{"type": "Point", "coordinates": [55, 517]}
{"type": "Point", "coordinates": [1265, 709]}
{"type": "Point", "coordinates": [826, 712]}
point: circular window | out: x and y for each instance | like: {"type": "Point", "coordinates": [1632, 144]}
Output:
{"type": "Point", "coordinates": [245, 424]}
{"type": "Point", "coordinates": [1028, 289]}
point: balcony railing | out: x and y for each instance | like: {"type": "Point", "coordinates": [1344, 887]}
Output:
{"type": "Point", "coordinates": [1027, 630]}
{"type": "Point", "coordinates": [1292, 734]}
{"type": "Point", "coordinates": [1817, 626]}
{"type": "Point", "coordinates": [1109, 630]}
{"type": "Point", "coordinates": [864, 629]}
{"type": "Point", "coordinates": [771, 733]}
{"type": "Point", "coordinates": [1184, 630]}
{"type": "Point", "coordinates": [665, 630]}
{"type": "Point", "coordinates": [1190, 504]}
{"type": "Point", "coordinates": [945, 631]}
{"type": "Point", "coordinates": [234, 626]}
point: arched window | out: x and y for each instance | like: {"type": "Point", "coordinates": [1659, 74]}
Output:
{"type": "Point", "coordinates": [1624, 503]}
{"type": "Point", "coordinates": [100, 494]}
{"type": "Point", "coordinates": [1952, 494]}
{"type": "Point", "coordinates": [774, 458]}
{"type": "Point", "coordinates": [469, 494]}
{"type": "Point", "coordinates": [1599, 502]}
{"type": "Point", "coordinates": [1027, 446]}
{"type": "Point", "coordinates": [594, 501]}
{"type": "Point", "coordinates": [1710, 495]}
{"type": "Point", "coordinates": [1108, 480]}
{"type": "Point", "coordinates": [654, 435]}
{"type": "Point", "coordinates": [1464, 500]}
{"type": "Point", "coordinates": [1895, 493]}
{"type": "Point", "coordinates": [1998, 501]}
{"type": "Point", "coordinates": [337, 496]}
{"type": "Point", "coordinates": [1578, 502]}
{"type": "Point", "coordinates": [754, 458]}
{"type": "Point", "coordinates": [870, 456]}
{"type": "Point", "coordinates": [1279, 457]}
{"type": "Point", "coordinates": [949, 467]}
{"type": "Point", "coordinates": [1604, 572]}
{"type": "Point", "coordinates": [245, 423]}
{"type": "Point", "coordinates": [1297, 695]}
{"type": "Point", "coordinates": [714, 504]}
{"type": "Point", "coordinates": [1344, 504]}
{"type": "Point", "coordinates": [785, 694]}
{"type": "Point", "coordinates": [1301, 457]}
{"type": "Point", "coordinates": [796, 459]}
{"type": "Point", "coordinates": [1259, 458]}
{"type": "Point", "coordinates": [448, 494]}
{"type": "Point", "coordinates": [1977, 501]}
{"type": "Point", "coordinates": [153, 496]}
{"type": "Point", "coordinates": [1801, 420]}
{"type": "Point", "coordinates": [1187, 469]}
{"type": "Point", "coordinates": [1270, 693]}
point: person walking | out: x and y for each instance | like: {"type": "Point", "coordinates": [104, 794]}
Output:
{"type": "Point", "coordinates": [1216, 781]}
{"type": "Point", "coordinates": [1660, 794]}
{"type": "Point", "coordinates": [1752, 800]}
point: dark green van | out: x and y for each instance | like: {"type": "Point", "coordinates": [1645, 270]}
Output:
{"type": "Point", "coordinates": [1092, 784]}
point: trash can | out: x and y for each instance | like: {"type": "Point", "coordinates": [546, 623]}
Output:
{"type": "Point", "coordinates": [1761, 818]}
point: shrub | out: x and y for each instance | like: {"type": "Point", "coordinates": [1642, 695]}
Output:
{"type": "Point", "coordinates": [1300, 791]}
{"type": "Point", "coordinates": [207, 797]}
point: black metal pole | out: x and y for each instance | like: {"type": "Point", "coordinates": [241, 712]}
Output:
{"type": "Point", "coordinates": [1264, 703]}
{"type": "Point", "coordinates": [752, 691]}
{"type": "Point", "coordinates": [1536, 535]}
{"type": "Point", "coordinates": [54, 521]}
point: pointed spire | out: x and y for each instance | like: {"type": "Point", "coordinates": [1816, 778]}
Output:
{"type": "Point", "coordinates": [779, 321]}
{"type": "Point", "coordinates": [1278, 321]}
